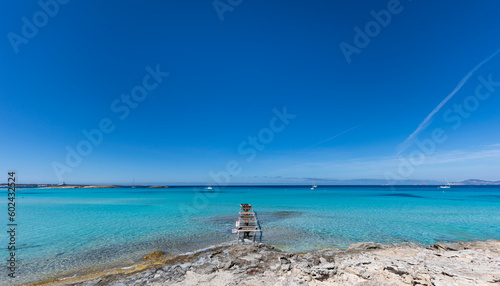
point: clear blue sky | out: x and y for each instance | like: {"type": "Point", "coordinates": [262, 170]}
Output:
{"type": "Point", "coordinates": [226, 77]}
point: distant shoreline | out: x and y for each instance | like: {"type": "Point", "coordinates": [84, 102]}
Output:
{"type": "Point", "coordinates": [93, 186]}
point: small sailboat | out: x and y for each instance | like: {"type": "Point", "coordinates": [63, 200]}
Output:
{"type": "Point", "coordinates": [314, 185]}
{"type": "Point", "coordinates": [132, 186]}
{"type": "Point", "coordinates": [446, 184]}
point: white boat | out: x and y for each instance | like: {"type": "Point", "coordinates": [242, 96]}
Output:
{"type": "Point", "coordinates": [209, 188]}
{"type": "Point", "coordinates": [314, 185]}
{"type": "Point", "coordinates": [446, 184]}
{"type": "Point", "coordinates": [132, 186]}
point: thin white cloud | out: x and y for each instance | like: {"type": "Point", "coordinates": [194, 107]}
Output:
{"type": "Point", "coordinates": [462, 156]}
{"type": "Point", "coordinates": [403, 146]}
{"type": "Point", "coordinates": [376, 167]}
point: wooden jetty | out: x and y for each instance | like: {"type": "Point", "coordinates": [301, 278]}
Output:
{"type": "Point", "coordinates": [247, 224]}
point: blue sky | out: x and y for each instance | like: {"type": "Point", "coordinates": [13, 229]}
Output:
{"type": "Point", "coordinates": [225, 78]}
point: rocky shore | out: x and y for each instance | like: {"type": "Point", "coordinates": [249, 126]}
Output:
{"type": "Point", "coordinates": [463, 263]}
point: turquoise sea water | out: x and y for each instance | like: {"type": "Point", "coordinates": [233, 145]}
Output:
{"type": "Point", "coordinates": [70, 231]}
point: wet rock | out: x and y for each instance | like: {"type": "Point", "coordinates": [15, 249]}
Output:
{"type": "Point", "coordinates": [365, 246]}
{"type": "Point", "coordinates": [166, 268]}
{"type": "Point", "coordinates": [153, 255]}
{"type": "Point", "coordinates": [209, 269]}
{"type": "Point", "coordinates": [92, 283]}
{"type": "Point", "coordinates": [445, 246]}
{"type": "Point", "coordinates": [185, 266]}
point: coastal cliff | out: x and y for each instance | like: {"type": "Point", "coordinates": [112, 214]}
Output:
{"type": "Point", "coordinates": [463, 263]}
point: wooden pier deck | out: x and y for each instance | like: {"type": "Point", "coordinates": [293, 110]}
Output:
{"type": "Point", "coordinates": [247, 223]}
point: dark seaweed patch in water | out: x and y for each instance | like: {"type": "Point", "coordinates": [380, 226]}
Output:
{"type": "Point", "coordinates": [285, 214]}
{"type": "Point", "coordinates": [279, 215]}
{"type": "Point", "coordinates": [262, 216]}
{"type": "Point", "coordinates": [401, 195]}
{"type": "Point", "coordinates": [155, 191]}
{"type": "Point", "coordinates": [218, 220]}
{"type": "Point", "coordinates": [495, 197]}
{"type": "Point", "coordinates": [23, 246]}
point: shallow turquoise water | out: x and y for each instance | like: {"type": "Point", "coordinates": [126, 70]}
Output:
{"type": "Point", "coordinates": [64, 231]}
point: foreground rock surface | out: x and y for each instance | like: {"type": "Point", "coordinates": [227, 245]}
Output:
{"type": "Point", "coordinates": [469, 263]}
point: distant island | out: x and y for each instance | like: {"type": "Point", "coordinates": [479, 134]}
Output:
{"type": "Point", "coordinates": [83, 187]}
{"type": "Point", "coordinates": [104, 187]}
{"type": "Point", "coordinates": [475, 182]}
{"type": "Point", "coordinates": [359, 182]}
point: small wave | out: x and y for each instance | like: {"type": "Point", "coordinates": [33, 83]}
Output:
{"type": "Point", "coordinates": [129, 267]}
{"type": "Point", "coordinates": [65, 278]}
{"type": "Point", "coordinates": [206, 248]}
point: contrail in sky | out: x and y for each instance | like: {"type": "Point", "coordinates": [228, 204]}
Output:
{"type": "Point", "coordinates": [341, 133]}
{"type": "Point", "coordinates": [403, 146]}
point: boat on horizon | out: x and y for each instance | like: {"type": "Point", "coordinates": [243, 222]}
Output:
{"type": "Point", "coordinates": [446, 184]}
{"type": "Point", "coordinates": [314, 185]}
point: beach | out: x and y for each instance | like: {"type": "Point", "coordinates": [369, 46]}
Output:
{"type": "Point", "coordinates": [76, 232]}
{"type": "Point", "coordinates": [465, 263]}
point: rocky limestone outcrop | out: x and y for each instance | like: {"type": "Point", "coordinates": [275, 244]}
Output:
{"type": "Point", "coordinates": [363, 264]}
